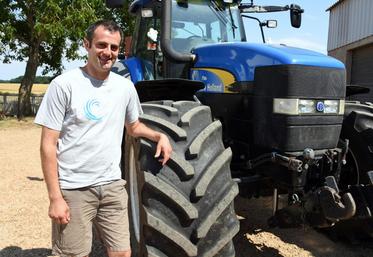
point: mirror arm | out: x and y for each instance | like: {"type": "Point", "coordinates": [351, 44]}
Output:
{"type": "Point", "coordinates": [245, 8]}
{"type": "Point", "coordinates": [260, 24]}
{"type": "Point", "coordinates": [248, 8]}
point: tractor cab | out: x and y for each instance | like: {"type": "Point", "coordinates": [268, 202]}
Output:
{"type": "Point", "coordinates": [194, 23]}
{"type": "Point", "coordinates": [168, 32]}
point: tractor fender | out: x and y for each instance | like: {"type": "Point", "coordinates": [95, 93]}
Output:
{"type": "Point", "coordinates": [170, 89]}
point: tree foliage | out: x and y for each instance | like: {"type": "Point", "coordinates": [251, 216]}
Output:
{"type": "Point", "coordinates": [38, 80]}
{"type": "Point", "coordinates": [44, 32]}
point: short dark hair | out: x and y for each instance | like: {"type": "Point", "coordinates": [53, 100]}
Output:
{"type": "Point", "coordinates": [109, 25]}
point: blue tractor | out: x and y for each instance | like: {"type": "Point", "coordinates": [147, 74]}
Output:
{"type": "Point", "coordinates": [244, 118]}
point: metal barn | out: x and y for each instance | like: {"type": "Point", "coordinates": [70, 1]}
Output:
{"type": "Point", "coordinates": [350, 40]}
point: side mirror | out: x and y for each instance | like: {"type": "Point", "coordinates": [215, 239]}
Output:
{"type": "Point", "coordinates": [271, 23]}
{"type": "Point", "coordinates": [296, 15]}
{"type": "Point", "coordinates": [146, 13]}
{"type": "Point", "coordinates": [114, 3]}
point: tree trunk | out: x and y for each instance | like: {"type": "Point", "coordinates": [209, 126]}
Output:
{"type": "Point", "coordinates": [24, 103]}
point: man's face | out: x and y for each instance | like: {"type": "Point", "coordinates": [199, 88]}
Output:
{"type": "Point", "coordinates": [103, 51]}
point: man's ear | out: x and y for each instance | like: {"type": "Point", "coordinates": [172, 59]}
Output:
{"type": "Point", "coordinates": [86, 44]}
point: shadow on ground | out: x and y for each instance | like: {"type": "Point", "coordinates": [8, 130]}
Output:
{"type": "Point", "coordinates": [98, 250]}
{"type": "Point", "coordinates": [35, 178]}
{"type": "Point", "coordinates": [15, 251]}
{"type": "Point", "coordinates": [254, 214]}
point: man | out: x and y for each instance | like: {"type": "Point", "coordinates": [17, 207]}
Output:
{"type": "Point", "coordinates": [83, 115]}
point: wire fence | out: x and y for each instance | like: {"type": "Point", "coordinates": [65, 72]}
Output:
{"type": "Point", "coordinates": [9, 103]}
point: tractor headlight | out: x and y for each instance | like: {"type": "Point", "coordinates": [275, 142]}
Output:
{"type": "Point", "coordinates": [285, 106]}
{"type": "Point", "coordinates": [331, 106]}
{"type": "Point", "coordinates": [307, 106]}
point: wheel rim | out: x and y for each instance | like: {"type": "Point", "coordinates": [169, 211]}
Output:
{"type": "Point", "coordinates": [134, 196]}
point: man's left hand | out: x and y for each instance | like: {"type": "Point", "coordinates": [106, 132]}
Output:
{"type": "Point", "coordinates": [164, 148]}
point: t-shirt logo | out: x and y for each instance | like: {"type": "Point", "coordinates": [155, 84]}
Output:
{"type": "Point", "coordinates": [93, 110]}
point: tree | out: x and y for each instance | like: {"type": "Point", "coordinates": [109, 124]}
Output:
{"type": "Point", "coordinates": [43, 32]}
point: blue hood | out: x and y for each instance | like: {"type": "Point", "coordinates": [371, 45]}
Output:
{"type": "Point", "coordinates": [241, 59]}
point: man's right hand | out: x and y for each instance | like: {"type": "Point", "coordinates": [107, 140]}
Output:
{"type": "Point", "coordinates": [59, 211]}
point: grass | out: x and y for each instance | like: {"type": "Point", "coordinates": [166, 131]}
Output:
{"type": "Point", "coordinates": [37, 89]}
{"type": "Point", "coordinates": [11, 122]}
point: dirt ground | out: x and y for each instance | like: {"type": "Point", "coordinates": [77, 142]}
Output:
{"type": "Point", "coordinates": [25, 226]}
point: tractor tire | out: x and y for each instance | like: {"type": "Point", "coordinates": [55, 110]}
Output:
{"type": "Point", "coordinates": [358, 129]}
{"type": "Point", "coordinates": [184, 208]}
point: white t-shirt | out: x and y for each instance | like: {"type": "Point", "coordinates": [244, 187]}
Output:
{"type": "Point", "coordinates": [90, 115]}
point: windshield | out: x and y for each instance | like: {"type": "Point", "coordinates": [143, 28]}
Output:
{"type": "Point", "coordinates": [200, 22]}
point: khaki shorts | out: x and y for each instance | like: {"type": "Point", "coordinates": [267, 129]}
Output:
{"type": "Point", "coordinates": [106, 207]}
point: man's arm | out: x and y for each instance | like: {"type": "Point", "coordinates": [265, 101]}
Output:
{"type": "Point", "coordinates": [139, 129]}
{"type": "Point", "coordinates": [58, 208]}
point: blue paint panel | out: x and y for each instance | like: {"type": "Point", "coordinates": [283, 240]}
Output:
{"type": "Point", "coordinates": [134, 66]}
{"type": "Point", "coordinates": [242, 58]}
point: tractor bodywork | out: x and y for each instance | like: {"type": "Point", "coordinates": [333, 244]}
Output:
{"type": "Point", "coordinates": [281, 109]}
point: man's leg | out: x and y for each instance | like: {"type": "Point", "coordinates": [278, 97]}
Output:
{"type": "Point", "coordinates": [112, 219]}
{"type": "Point", "coordinates": [75, 238]}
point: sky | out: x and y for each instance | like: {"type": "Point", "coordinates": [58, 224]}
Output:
{"type": "Point", "coordinates": [312, 35]}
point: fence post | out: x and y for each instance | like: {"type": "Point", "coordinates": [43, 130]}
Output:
{"type": "Point", "coordinates": [10, 102]}
{"type": "Point", "coordinates": [33, 104]}
{"type": "Point", "coordinates": [4, 103]}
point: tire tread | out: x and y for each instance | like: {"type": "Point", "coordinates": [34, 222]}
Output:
{"type": "Point", "coordinates": [172, 234]}
{"type": "Point", "coordinates": [172, 194]}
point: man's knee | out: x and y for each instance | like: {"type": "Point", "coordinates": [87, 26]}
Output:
{"type": "Point", "coordinates": [119, 254]}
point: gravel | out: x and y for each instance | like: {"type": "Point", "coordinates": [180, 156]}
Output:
{"type": "Point", "coordinates": [25, 225]}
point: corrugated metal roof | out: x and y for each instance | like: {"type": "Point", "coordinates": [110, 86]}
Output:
{"type": "Point", "coordinates": [350, 21]}
{"type": "Point", "coordinates": [334, 5]}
